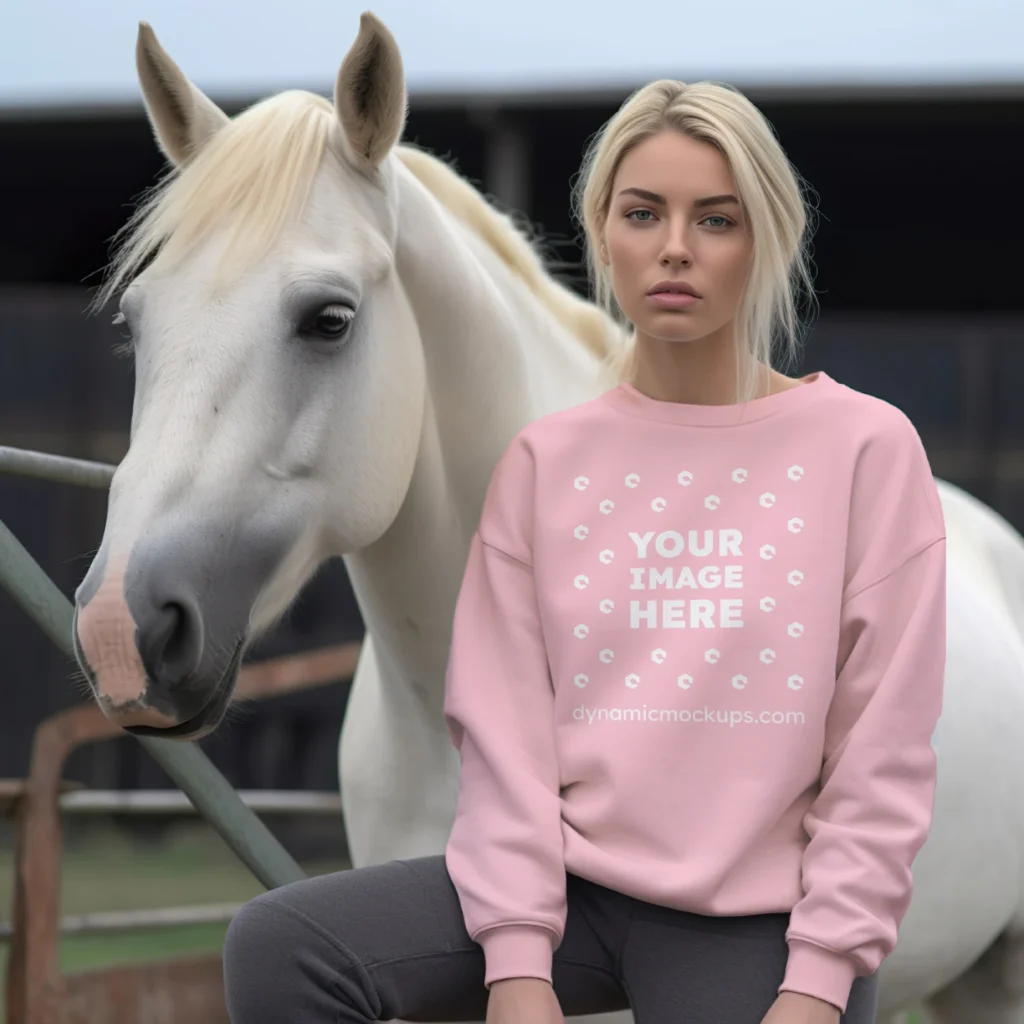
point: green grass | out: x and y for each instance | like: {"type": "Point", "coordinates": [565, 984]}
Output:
{"type": "Point", "coordinates": [109, 873]}
{"type": "Point", "coordinates": [84, 952]}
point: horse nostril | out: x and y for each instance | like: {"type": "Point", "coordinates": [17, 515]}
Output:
{"type": "Point", "coordinates": [170, 642]}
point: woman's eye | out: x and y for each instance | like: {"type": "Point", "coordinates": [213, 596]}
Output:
{"type": "Point", "coordinates": [331, 322]}
{"type": "Point", "coordinates": [641, 215]}
{"type": "Point", "coordinates": [724, 222]}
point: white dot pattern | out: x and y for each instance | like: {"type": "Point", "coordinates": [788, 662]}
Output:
{"type": "Point", "coordinates": [767, 550]}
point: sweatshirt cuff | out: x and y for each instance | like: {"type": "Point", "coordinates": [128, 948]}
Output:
{"type": "Point", "coordinates": [517, 951]}
{"type": "Point", "coordinates": [814, 971]}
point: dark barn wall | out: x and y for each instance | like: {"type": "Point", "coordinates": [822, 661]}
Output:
{"type": "Point", "coordinates": [920, 295]}
{"type": "Point", "coordinates": [921, 207]}
{"type": "Point", "coordinates": [920, 201]}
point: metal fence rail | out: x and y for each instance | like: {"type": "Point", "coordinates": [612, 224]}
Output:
{"type": "Point", "coordinates": [156, 802]}
{"type": "Point", "coordinates": [57, 468]}
{"type": "Point", "coordinates": [137, 920]}
{"type": "Point", "coordinates": [160, 802]}
{"type": "Point", "coordinates": [207, 789]}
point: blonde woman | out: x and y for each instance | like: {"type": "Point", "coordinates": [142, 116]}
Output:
{"type": "Point", "coordinates": [696, 664]}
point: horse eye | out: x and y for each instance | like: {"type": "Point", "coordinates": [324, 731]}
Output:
{"type": "Point", "coordinates": [331, 322]}
{"type": "Point", "coordinates": [120, 320]}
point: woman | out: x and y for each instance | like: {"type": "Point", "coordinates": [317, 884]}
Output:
{"type": "Point", "coordinates": [696, 664]}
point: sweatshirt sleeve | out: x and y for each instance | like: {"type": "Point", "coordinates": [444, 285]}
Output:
{"type": "Point", "coordinates": [874, 808]}
{"type": "Point", "coordinates": [504, 852]}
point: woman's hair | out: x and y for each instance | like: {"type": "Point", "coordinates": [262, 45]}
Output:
{"type": "Point", "coordinates": [768, 321]}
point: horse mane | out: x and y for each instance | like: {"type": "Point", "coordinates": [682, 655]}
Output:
{"type": "Point", "coordinates": [256, 173]}
{"type": "Point", "coordinates": [251, 177]}
{"type": "Point", "coordinates": [582, 319]}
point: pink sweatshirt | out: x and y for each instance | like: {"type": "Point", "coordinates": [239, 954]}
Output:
{"type": "Point", "coordinates": [698, 658]}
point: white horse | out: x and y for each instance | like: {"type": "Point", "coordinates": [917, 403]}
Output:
{"type": "Point", "coordinates": [336, 337]}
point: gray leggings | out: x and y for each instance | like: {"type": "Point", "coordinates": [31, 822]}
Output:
{"type": "Point", "coordinates": [389, 941]}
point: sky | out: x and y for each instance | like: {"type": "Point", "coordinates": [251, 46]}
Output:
{"type": "Point", "coordinates": [73, 52]}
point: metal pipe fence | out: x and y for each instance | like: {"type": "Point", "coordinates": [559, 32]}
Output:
{"type": "Point", "coordinates": [107, 921]}
{"type": "Point", "coordinates": [161, 802]}
{"type": "Point", "coordinates": [206, 788]}
{"type": "Point", "coordinates": [57, 468]}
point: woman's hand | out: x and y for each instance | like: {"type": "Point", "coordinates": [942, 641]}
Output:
{"type": "Point", "coordinates": [523, 1001]}
{"type": "Point", "coordinates": [794, 1008]}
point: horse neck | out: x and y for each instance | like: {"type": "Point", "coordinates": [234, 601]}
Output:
{"type": "Point", "coordinates": [495, 359]}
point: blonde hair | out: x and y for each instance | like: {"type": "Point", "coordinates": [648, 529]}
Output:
{"type": "Point", "coordinates": [769, 189]}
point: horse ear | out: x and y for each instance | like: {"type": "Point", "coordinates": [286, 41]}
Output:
{"type": "Point", "coordinates": [181, 116]}
{"type": "Point", "coordinates": [369, 94]}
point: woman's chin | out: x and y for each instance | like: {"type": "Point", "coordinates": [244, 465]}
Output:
{"type": "Point", "coordinates": [679, 331]}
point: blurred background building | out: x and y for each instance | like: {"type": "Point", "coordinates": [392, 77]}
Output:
{"type": "Point", "coordinates": [906, 118]}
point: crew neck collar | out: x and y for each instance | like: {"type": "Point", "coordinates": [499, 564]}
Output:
{"type": "Point", "coordinates": [627, 399]}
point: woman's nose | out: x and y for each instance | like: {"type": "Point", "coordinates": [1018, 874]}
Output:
{"type": "Point", "coordinates": [676, 250]}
